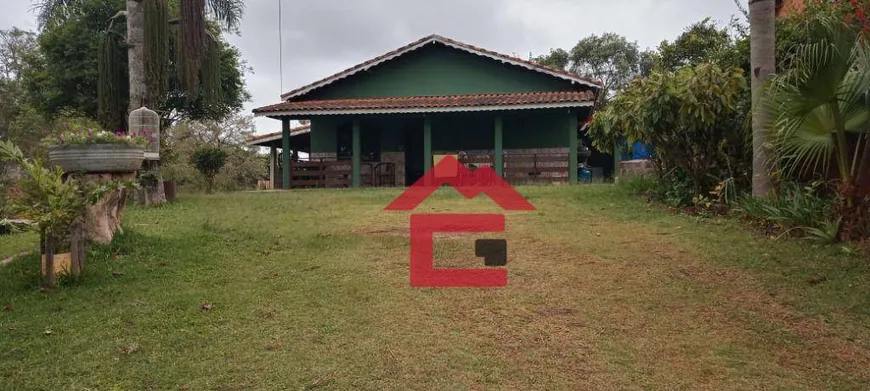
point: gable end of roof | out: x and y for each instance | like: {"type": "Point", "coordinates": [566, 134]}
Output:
{"type": "Point", "coordinates": [437, 39]}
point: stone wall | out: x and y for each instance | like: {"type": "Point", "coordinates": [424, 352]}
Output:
{"type": "Point", "coordinates": [638, 167]}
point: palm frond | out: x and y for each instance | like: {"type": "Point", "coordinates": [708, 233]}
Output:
{"type": "Point", "coordinates": [819, 98]}
{"type": "Point", "coordinates": [227, 12]}
{"type": "Point", "coordinates": [54, 11]}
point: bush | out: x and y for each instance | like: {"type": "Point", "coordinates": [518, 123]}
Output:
{"type": "Point", "coordinates": [800, 210]}
{"type": "Point", "coordinates": [640, 185]}
{"type": "Point", "coordinates": [209, 161]}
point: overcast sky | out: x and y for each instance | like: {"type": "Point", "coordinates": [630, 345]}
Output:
{"type": "Point", "coordinates": [322, 37]}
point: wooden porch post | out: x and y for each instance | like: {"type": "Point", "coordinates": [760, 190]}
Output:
{"type": "Point", "coordinates": [285, 152]}
{"type": "Point", "coordinates": [357, 151]}
{"type": "Point", "coordinates": [273, 164]}
{"type": "Point", "coordinates": [617, 156]}
{"type": "Point", "coordinates": [427, 144]}
{"type": "Point", "coordinates": [572, 147]}
{"type": "Point", "coordinates": [499, 146]}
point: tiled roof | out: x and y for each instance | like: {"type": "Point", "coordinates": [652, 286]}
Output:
{"type": "Point", "coordinates": [449, 42]}
{"type": "Point", "coordinates": [270, 136]}
{"type": "Point", "coordinates": [477, 102]}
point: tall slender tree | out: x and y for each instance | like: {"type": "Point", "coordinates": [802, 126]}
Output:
{"type": "Point", "coordinates": [762, 36]}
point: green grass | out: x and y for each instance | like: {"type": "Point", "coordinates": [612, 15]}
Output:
{"type": "Point", "coordinates": [309, 289]}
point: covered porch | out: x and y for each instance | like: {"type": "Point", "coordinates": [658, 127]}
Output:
{"type": "Point", "coordinates": [526, 138]}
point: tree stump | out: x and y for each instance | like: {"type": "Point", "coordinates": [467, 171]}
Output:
{"type": "Point", "coordinates": [103, 219]}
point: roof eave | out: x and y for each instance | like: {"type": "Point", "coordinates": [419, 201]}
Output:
{"type": "Point", "coordinates": [423, 110]}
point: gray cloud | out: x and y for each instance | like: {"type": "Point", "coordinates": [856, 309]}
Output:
{"type": "Point", "coordinates": [322, 37]}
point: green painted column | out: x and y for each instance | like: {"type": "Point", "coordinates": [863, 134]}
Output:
{"type": "Point", "coordinates": [357, 155]}
{"type": "Point", "coordinates": [427, 144]}
{"type": "Point", "coordinates": [499, 146]}
{"type": "Point", "coordinates": [285, 153]}
{"type": "Point", "coordinates": [572, 147]}
{"type": "Point", "coordinates": [617, 156]}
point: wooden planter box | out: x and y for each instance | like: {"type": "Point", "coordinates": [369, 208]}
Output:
{"type": "Point", "coordinates": [97, 157]}
{"type": "Point", "coordinates": [62, 264]}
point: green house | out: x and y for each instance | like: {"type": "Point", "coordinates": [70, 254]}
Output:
{"type": "Point", "coordinates": [385, 121]}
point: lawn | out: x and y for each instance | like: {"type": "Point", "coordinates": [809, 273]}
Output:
{"type": "Point", "coordinates": [309, 290]}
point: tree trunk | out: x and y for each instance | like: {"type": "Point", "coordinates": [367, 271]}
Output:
{"type": "Point", "coordinates": [136, 53]}
{"type": "Point", "coordinates": [138, 86]}
{"type": "Point", "coordinates": [762, 24]}
{"type": "Point", "coordinates": [103, 219]}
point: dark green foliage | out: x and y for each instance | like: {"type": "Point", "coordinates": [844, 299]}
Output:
{"type": "Point", "coordinates": [800, 210]}
{"type": "Point", "coordinates": [210, 75]}
{"type": "Point", "coordinates": [209, 161]}
{"type": "Point", "coordinates": [703, 41]}
{"type": "Point", "coordinates": [687, 116]}
{"type": "Point", "coordinates": [232, 92]}
{"type": "Point", "coordinates": [672, 188]}
{"type": "Point", "coordinates": [156, 49]}
{"type": "Point", "coordinates": [557, 58]}
{"type": "Point", "coordinates": [64, 74]}
{"type": "Point", "coordinates": [191, 44]}
{"type": "Point", "coordinates": [113, 92]}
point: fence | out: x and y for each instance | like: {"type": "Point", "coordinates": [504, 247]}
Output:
{"type": "Point", "coordinates": [530, 168]}
{"type": "Point", "coordinates": [320, 174]}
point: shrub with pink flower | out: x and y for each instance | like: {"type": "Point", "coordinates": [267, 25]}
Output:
{"type": "Point", "coordinates": [66, 134]}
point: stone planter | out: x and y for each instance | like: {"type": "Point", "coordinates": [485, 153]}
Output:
{"type": "Point", "coordinates": [98, 164]}
{"type": "Point", "coordinates": [97, 158]}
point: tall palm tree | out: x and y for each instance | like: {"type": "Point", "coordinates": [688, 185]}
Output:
{"type": "Point", "coordinates": [820, 107]}
{"type": "Point", "coordinates": [762, 25]}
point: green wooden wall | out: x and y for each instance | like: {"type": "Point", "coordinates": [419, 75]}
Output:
{"type": "Point", "coordinates": [439, 70]}
{"type": "Point", "coordinates": [451, 132]}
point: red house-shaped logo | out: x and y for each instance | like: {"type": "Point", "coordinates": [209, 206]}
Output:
{"type": "Point", "coordinates": [470, 184]}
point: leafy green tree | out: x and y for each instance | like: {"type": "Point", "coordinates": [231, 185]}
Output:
{"type": "Point", "coordinates": [209, 161]}
{"type": "Point", "coordinates": [609, 58]}
{"type": "Point", "coordinates": [64, 74]}
{"type": "Point", "coordinates": [557, 58]}
{"type": "Point", "coordinates": [244, 166]}
{"type": "Point", "coordinates": [703, 41]}
{"type": "Point", "coordinates": [688, 116]}
{"type": "Point", "coordinates": [15, 46]}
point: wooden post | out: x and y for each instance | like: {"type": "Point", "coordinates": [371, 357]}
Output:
{"type": "Point", "coordinates": [77, 247]}
{"type": "Point", "coordinates": [427, 144]}
{"type": "Point", "coordinates": [74, 244]}
{"type": "Point", "coordinates": [617, 156]}
{"type": "Point", "coordinates": [357, 156]}
{"type": "Point", "coordinates": [273, 165]}
{"type": "Point", "coordinates": [285, 152]}
{"type": "Point", "coordinates": [48, 277]}
{"type": "Point", "coordinates": [499, 146]}
{"type": "Point", "coordinates": [572, 147]}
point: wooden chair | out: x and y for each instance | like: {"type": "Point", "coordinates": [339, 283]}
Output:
{"type": "Point", "coordinates": [384, 174]}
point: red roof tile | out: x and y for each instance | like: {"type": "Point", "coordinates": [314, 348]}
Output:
{"type": "Point", "coordinates": [414, 103]}
{"type": "Point", "coordinates": [259, 137]}
{"type": "Point", "coordinates": [449, 42]}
